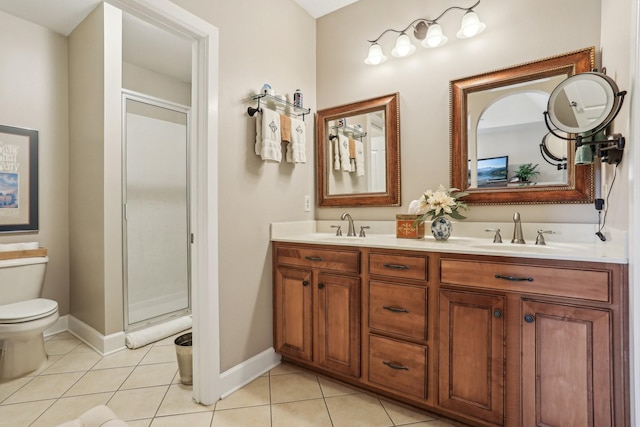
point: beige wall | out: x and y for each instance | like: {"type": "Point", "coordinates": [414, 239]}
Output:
{"type": "Point", "coordinates": [95, 174]}
{"type": "Point", "coordinates": [616, 45]}
{"type": "Point", "coordinates": [517, 31]}
{"type": "Point", "coordinates": [33, 90]}
{"type": "Point", "coordinates": [158, 85]}
{"type": "Point", "coordinates": [260, 42]}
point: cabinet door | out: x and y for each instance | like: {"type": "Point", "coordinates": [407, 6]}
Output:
{"type": "Point", "coordinates": [472, 354]}
{"type": "Point", "coordinates": [338, 344]}
{"type": "Point", "coordinates": [292, 312]}
{"type": "Point", "coordinates": [566, 366]}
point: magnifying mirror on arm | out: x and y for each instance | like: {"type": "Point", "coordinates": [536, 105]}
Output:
{"type": "Point", "coordinates": [580, 108]}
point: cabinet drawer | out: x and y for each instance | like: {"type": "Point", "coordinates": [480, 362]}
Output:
{"type": "Point", "coordinates": [398, 309]}
{"type": "Point", "coordinates": [398, 365]}
{"type": "Point", "coordinates": [556, 281]}
{"type": "Point", "coordinates": [398, 266]}
{"type": "Point", "coordinates": [345, 261]}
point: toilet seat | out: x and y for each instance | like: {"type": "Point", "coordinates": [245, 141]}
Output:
{"type": "Point", "coordinates": [26, 311]}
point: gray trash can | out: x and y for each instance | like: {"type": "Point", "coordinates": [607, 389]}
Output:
{"type": "Point", "coordinates": [184, 352]}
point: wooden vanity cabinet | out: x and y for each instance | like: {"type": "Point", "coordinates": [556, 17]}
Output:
{"type": "Point", "coordinates": [566, 363]}
{"type": "Point", "coordinates": [317, 306]}
{"type": "Point", "coordinates": [486, 340]}
{"type": "Point", "coordinates": [565, 342]}
{"type": "Point", "coordinates": [397, 339]}
{"type": "Point", "coordinates": [472, 354]}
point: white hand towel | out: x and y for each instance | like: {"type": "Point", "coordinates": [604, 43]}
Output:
{"type": "Point", "coordinates": [336, 153]}
{"type": "Point", "coordinates": [258, 144]}
{"type": "Point", "coordinates": [345, 162]}
{"type": "Point", "coordinates": [270, 138]}
{"type": "Point", "coordinates": [359, 158]}
{"type": "Point", "coordinates": [296, 149]}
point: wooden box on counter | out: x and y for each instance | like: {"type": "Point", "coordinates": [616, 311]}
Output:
{"type": "Point", "coordinates": [406, 229]}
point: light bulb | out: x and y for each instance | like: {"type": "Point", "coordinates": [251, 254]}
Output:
{"type": "Point", "coordinates": [375, 56]}
{"type": "Point", "coordinates": [403, 46]}
{"type": "Point", "coordinates": [434, 37]}
{"type": "Point", "coordinates": [470, 26]}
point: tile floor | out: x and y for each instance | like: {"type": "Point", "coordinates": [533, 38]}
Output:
{"type": "Point", "coordinates": [143, 387]}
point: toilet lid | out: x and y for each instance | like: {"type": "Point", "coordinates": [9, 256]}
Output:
{"type": "Point", "coordinates": [25, 311]}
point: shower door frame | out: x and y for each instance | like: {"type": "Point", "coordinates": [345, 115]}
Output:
{"type": "Point", "coordinates": [161, 103]}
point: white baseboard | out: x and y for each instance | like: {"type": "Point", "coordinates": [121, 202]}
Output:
{"type": "Point", "coordinates": [231, 380]}
{"type": "Point", "coordinates": [61, 325]}
{"type": "Point", "coordinates": [242, 374]}
{"type": "Point", "coordinates": [102, 344]}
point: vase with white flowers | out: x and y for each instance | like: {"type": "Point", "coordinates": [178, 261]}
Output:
{"type": "Point", "coordinates": [436, 206]}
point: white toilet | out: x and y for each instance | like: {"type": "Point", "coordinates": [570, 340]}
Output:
{"type": "Point", "coordinates": [24, 316]}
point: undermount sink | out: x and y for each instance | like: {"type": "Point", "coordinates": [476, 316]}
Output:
{"type": "Point", "coordinates": [512, 247]}
{"type": "Point", "coordinates": [333, 237]}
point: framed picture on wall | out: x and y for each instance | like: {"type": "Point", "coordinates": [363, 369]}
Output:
{"type": "Point", "coordinates": [18, 179]}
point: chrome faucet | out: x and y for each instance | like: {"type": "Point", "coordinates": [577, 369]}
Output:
{"type": "Point", "coordinates": [517, 230]}
{"type": "Point", "coordinates": [352, 228]}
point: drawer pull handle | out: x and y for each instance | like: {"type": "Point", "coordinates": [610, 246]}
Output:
{"type": "Point", "coordinates": [497, 314]}
{"type": "Point", "coordinates": [314, 258]}
{"type": "Point", "coordinates": [320, 285]}
{"type": "Point", "coordinates": [397, 266]}
{"type": "Point", "coordinates": [529, 318]}
{"type": "Point", "coordinates": [514, 279]}
{"type": "Point", "coordinates": [395, 366]}
{"type": "Point", "coordinates": [305, 283]}
{"type": "Point", "coordinates": [395, 309]}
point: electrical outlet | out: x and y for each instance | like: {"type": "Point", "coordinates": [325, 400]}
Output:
{"type": "Point", "coordinates": [307, 203]}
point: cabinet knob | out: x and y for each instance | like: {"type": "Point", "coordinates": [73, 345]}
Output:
{"type": "Point", "coordinates": [320, 285]}
{"type": "Point", "coordinates": [497, 314]}
{"type": "Point", "coordinates": [305, 283]}
{"type": "Point", "coordinates": [529, 318]}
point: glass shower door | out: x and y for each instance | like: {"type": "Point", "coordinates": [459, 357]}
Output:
{"type": "Point", "coordinates": [156, 210]}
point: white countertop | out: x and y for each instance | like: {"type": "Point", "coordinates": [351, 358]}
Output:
{"type": "Point", "coordinates": [575, 242]}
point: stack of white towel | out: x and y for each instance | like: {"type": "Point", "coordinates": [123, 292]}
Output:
{"type": "Point", "coordinates": [271, 127]}
{"type": "Point", "coordinates": [348, 155]}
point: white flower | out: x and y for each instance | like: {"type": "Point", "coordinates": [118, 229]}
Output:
{"type": "Point", "coordinates": [440, 202]}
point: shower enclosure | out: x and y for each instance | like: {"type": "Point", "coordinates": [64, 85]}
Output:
{"type": "Point", "coordinates": [156, 235]}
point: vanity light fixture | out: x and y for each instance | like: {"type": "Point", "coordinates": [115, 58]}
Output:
{"type": "Point", "coordinates": [428, 32]}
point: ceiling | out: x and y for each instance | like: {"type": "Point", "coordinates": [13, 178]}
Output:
{"type": "Point", "coordinates": [318, 8]}
{"type": "Point", "coordinates": [139, 37]}
{"type": "Point", "coordinates": [62, 16]}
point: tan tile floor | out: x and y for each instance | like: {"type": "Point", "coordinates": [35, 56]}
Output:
{"type": "Point", "coordinates": [143, 387]}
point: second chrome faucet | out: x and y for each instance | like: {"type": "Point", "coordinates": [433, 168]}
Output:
{"type": "Point", "coordinates": [517, 229]}
{"type": "Point", "coordinates": [352, 228]}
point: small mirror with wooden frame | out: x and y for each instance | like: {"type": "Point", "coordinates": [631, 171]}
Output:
{"type": "Point", "coordinates": [358, 153]}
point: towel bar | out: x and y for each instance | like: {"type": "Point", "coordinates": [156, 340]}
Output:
{"type": "Point", "coordinates": [280, 104]}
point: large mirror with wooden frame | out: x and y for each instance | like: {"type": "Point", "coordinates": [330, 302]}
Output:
{"type": "Point", "coordinates": [358, 153]}
{"type": "Point", "coordinates": [498, 133]}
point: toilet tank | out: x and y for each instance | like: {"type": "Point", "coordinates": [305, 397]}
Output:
{"type": "Point", "coordinates": [21, 279]}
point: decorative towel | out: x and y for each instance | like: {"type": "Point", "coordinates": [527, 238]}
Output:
{"type": "Point", "coordinates": [345, 163]}
{"type": "Point", "coordinates": [296, 149]}
{"type": "Point", "coordinates": [336, 153]}
{"type": "Point", "coordinates": [352, 148]}
{"type": "Point", "coordinates": [285, 128]}
{"type": "Point", "coordinates": [268, 136]}
{"type": "Point", "coordinates": [359, 158]}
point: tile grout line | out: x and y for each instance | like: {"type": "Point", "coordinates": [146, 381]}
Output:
{"type": "Point", "coordinates": [324, 399]}
{"type": "Point", "coordinates": [59, 397]}
{"type": "Point", "coordinates": [270, 403]}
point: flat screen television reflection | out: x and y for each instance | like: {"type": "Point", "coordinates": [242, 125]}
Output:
{"type": "Point", "coordinates": [491, 171]}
